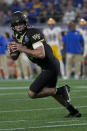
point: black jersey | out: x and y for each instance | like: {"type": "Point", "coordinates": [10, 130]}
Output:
{"type": "Point", "coordinates": [32, 38]}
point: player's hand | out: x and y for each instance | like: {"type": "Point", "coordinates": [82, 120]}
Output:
{"type": "Point", "coordinates": [20, 47]}
{"type": "Point", "coordinates": [12, 47]}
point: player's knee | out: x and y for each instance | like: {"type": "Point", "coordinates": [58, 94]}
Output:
{"type": "Point", "coordinates": [31, 94]}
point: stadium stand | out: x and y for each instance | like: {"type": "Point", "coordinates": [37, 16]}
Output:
{"type": "Point", "coordinates": [39, 11]}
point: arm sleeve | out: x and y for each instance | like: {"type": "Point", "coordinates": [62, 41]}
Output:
{"type": "Point", "coordinates": [37, 44]}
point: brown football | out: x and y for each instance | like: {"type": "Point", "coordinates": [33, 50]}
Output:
{"type": "Point", "coordinates": [14, 55]}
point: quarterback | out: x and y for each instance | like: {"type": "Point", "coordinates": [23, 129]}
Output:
{"type": "Point", "coordinates": [31, 41]}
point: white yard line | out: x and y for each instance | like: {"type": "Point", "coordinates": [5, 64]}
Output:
{"type": "Point", "coordinates": [13, 121]}
{"type": "Point", "coordinates": [17, 81]}
{"type": "Point", "coordinates": [62, 121]}
{"type": "Point", "coordinates": [29, 99]}
{"type": "Point", "coordinates": [13, 88]}
{"type": "Point", "coordinates": [78, 97]}
{"type": "Point", "coordinates": [26, 87]}
{"type": "Point", "coordinates": [59, 121]}
{"type": "Point", "coordinates": [44, 126]}
{"type": "Point", "coordinates": [79, 91]}
{"type": "Point", "coordinates": [30, 110]}
{"type": "Point", "coordinates": [39, 109]}
{"type": "Point", "coordinates": [82, 87]}
{"type": "Point", "coordinates": [19, 93]}
{"type": "Point", "coordinates": [16, 93]}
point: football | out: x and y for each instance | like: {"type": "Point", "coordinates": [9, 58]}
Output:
{"type": "Point", "coordinates": [14, 55]}
{"type": "Point", "coordinates": [12, 49]}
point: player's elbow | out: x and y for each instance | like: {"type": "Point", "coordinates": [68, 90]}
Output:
{"type": "Point", "coordinates": [42, 53]}
{"type": "Point", "coordinates": [39, 52]}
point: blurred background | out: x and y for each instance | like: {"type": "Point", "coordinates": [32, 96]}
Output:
{"type": "Point", "coordinates": [38, 13]}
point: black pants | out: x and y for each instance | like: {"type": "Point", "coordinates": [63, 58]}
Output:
{"type": "Point", "coordinates": [47, 78]}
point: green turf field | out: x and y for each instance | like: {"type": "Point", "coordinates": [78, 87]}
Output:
{"type": "Point", "coordinates": [20, 113]}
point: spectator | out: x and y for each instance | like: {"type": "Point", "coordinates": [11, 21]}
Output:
{"type": "Point", "coordinates": [10, 62]}
{"type": "Point", "coordinates": [36, 4]}
{"type": "Point", "coordinates": [52, 12]}
{"type": "Point", "coordinates": [83, 13]}
{"type": "Point", "coordinates": [69, 15]}
{"type": "Point", "coordinates": [59, 13]}
{"type": "Point", "coordinates": [28, 4]}
{"type": "Point", "coordinates": [7, 40]}
{"type": "Point", "coordinates": [63, 5]}
{"type": "Point", "coordinates": [52, 8]}
{"type": "Point", "coordinates": [3, 57]}
{"type": "Point", "coordinates": [15, 6]}
{"type": "Point", "coordinates": [78, 3]}
{"type": "Point", "coordinates": [3, 6]}
{"type": "Point", "coordinates": [22, 5]}
{"type": "Point", "coordinates": [8, 17]}
{"type": "Point", "coordinates": [74, 46]}
{"type": "Point", "coordinates": [33, 16]}
{"type": "Point", "coordinates": [21, 67]}
{"type": "Point", "coordinates": [2, 18]}
{"type": "Point", "coordinates": [43, 14]}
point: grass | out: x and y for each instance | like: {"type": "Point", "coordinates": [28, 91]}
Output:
{"type": "Point", "coordinates": [20, 113]}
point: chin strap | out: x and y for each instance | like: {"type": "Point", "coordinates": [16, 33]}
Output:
{"type": "Point", "coordinates": [20, 32]}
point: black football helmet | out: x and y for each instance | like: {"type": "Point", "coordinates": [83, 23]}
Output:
{"type": "Point", "coordinates": [16, 19]}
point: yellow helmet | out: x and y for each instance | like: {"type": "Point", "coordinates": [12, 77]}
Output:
{"type": "Point", "coordinates": [51, 21]}
{"type": "Point", "coordinates": [82, 22]}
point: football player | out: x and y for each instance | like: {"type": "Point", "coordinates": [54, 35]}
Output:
{"type": "Point", "coordinates": [31, 41]}
{"type": "Point", "coordinates": [53, 37]}
{"type": "Point", "coordinates": [82, 27]}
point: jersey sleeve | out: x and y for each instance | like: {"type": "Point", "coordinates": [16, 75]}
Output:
{"type": "Point", "coordinates": [37, 44]}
